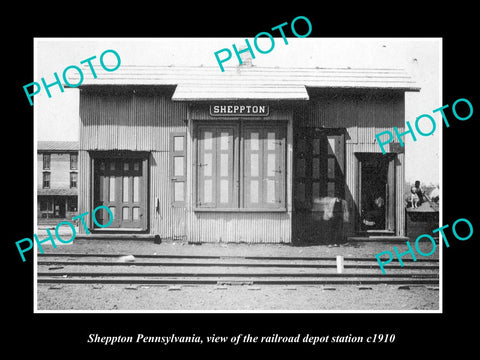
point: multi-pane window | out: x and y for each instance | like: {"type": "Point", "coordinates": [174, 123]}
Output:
{"type": "Point", "coordinates": [319, 166]}
{"type": "Point", "coordinates": [240, 166]}
{"type": "Point", "coordinates": [178, 168]}
{"type": "Point", "coordinates": [46, 180]}
{"type": "Point", "coordinates": [73, 162]}
{"type": "Point", "coordinates": [73, 179]}
{"type": "Point", "coordinates": [264, 170]}
{"type": "Point", "coordinates": [215, 172]}
{"type": "Point", "coordinates": [72, 204]}
{"type": "Point", "coordinates": [46, 161]}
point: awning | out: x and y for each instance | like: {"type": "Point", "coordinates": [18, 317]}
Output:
{"type": "Point", "coordinates": [57, 145]}
{"type": "Point", "coordinates": [239, 91]}
{"type": "Point", "coordinates": [57, 192]}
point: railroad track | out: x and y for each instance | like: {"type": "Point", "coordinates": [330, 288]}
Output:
{"type": "Point", "coordinates": [71, 268]}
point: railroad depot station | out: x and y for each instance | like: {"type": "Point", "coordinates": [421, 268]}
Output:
{"type": "Point", "coordinates": [252, 154]}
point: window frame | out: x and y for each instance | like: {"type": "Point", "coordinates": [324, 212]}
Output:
{"type": "Point", "coordinates": [177, 178]}
{"type": "Point", "coordinates": [74, 162]}
{"type": "Point", "coordinates": [239, 153]}
{"type": "Point", "coordinates": [279, 178]}
{"type": "Point", "coordinates": [48, 162]}
{"type": "Point", "coordinates": [44, 181]}
{"type": "Point", "coordinates": [233, 202]}
{"type": "Point", "coordinates": [76, 180]}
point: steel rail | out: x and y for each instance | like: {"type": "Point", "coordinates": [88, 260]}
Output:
{"type": "Point", "coordinates": [230, 264]}
{"type": "Point", "coordinates": [168, 256]}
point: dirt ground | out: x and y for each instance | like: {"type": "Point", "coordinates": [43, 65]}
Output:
{"type": "Point", "coordinates": [237, 297]}
{"type": "Point", "coordinates": [233, 297]}
{"type": "Point", "coordinates": [145, 247]}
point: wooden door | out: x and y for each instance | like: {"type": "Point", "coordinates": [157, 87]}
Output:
{"type": "Point", "coordinates": [319, 175]}
{"type": "Point", "coordinates": [120, 184]}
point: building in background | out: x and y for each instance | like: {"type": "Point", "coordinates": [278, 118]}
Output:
{"type": "Point", "coordinates": [57, 181]}
{"type": "Point", "coordinates": [257, 155]}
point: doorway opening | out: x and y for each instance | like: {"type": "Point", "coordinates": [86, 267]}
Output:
{"type": "Point", "coordinates": [376, 193]}
{"type": "Point", "coordinates": [59, 207]}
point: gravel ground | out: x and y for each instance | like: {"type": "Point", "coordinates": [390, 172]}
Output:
{"type": "Point", "coordinates": [236, 297]}
{"type": "Point", "coordinates": [233, 297]}
{"type": "Point", "coordinates": [137, 247]}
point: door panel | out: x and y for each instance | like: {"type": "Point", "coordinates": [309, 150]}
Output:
{"type": "Point", "coordinates": [120, 184]}
{"type": "Point", "coordinates": [318, 179]}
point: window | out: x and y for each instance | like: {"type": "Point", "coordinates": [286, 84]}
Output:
{"type": "Point", "coordinates": [43, 205]}
{"type": "Point", "coordinates": [264, 169]}
{"type": "Point", "coordinates": [215, 171]}
{"type": "Point", "coordinates": [178, 168]}
{"type": "Point", "coordinates": [46, 180]}
{"type": "Point", "coordinates": [319, 165]}
{"type": "Point", "coordinates": [46, 206]}
{"type": "Point", "coordinates": [240, 166]}
{"type": "Point", "coordinates": [73, 162]}
{"type": "Point", "coordinates": [73, 179]}
{"type": "Point", "coordinates": [46, 161]}
{"type": "Point", "coordinates": [72, 204]}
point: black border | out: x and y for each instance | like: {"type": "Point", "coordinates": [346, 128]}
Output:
{"type": "Point", "coordinates": [417, 334]}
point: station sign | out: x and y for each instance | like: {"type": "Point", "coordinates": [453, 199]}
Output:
{"type": "Point", "coordinates": [239, 110]}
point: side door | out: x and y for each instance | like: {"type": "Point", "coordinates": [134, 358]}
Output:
{"type": "Point", "coordinates": [121, 185]}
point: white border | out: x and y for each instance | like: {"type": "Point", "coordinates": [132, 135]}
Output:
{"type": "Point", "coordinates": [440, 310]}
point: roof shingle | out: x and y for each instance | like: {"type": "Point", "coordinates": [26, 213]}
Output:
{"type": "Point", "coordinates": [254, 80]}
{"type": "Point", "coordinates": [57, 145]}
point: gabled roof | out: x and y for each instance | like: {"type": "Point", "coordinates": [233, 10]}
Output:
{"type": "Point", "coordinates": [57, 146]}
{"type": "Point", "coordinates": [248, 82]}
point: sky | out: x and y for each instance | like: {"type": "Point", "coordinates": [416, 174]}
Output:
{"type": "Point", "coordinates": [57, 118]}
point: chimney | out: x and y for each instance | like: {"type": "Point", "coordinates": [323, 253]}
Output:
{"type": "Point", "coordinates": [246, 56]}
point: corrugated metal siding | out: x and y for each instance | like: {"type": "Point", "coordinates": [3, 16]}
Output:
{"type": "Point", "coordinates": [84, 190]}
{"type": "Point", "coordinates": [364, 115]}
{"type": "Point", "coordinates": [125, 121]}
{"type": "Point", "coordinates": [239, 227]}
{"type": "Point", "coordinates": [122, 120]}
{"type": "Point", "coordinates": [399, 201]}
{"type": "Point", "coordinates": [168, 221]}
